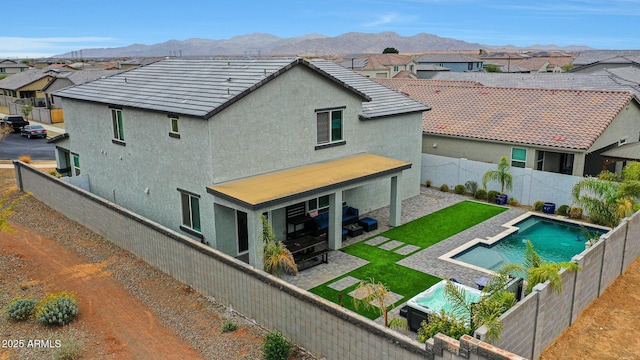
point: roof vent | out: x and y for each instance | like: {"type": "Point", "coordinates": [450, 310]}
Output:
{"type": "Point", "coordinates": [437, 91]}
{"type": "Point", "coordinates": [441, 126]}
{"type": "Point", "coordinates": [559, 138]}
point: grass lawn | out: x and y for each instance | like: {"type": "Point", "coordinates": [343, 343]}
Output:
{"type": "Point", "coordinates": [422, 232]}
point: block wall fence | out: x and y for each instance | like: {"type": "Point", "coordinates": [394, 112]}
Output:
{"type": "Point", "coordinates": [324, 328]}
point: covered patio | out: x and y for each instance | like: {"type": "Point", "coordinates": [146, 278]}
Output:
{"type": "Point", "coordinates": [243, 201]}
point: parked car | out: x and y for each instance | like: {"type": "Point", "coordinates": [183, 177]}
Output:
{"type": "Point", "coordinates": [15, 121]}
{"type": "Point", "coordinates": [33, 131]}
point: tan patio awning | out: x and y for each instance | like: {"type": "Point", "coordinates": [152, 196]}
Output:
{"type": "Point", "coordinates": [269, 189]}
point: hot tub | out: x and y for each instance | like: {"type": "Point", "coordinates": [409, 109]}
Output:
{"type": "Point", "coordinates": [433, 300]}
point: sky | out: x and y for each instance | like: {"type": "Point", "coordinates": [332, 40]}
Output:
{"type": "Point", "coordinates": [44, 29]}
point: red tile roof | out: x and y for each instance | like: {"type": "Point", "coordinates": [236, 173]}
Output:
{"type": "Point", "coordinates": [572, 119]}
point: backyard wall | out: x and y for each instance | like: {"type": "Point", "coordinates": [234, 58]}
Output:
{"type": "Point", "coordinates": [536, 321]}
{"type": "Point", "coordinates": [318, 325]}
{"type": "Point", "coordinates": [528, 185]}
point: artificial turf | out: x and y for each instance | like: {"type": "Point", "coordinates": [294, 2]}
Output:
{"type": "Point", "coordinates": [423, 232]}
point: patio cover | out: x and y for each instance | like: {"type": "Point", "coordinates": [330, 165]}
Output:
{"type": "Point", "coordinates": [269, 189]}
{"type": "Point", "coordinates": [624, 152]}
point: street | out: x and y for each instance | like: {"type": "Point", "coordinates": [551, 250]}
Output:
{"type": "Point", "coordinates": [14, 146]}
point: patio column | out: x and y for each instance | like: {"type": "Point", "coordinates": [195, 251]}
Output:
{"type": "Point", "coordinates": [395, 204]}
{"type": "Point", "coordinates": [254, 228]}
{"type": "Point", "coordinates": [335, 220]}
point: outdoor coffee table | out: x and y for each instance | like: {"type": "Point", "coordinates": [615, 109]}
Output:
{"type": "Point", "coordinates": [353, 229]}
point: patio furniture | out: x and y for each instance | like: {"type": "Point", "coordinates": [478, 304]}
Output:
{"type": "Point", "coordinates": [353, 230]}
{"type": "Point", "coordinates": [482, 282]}
{"type": "Point", "coordinates": [368, 224]}
{"type": "Point", "coordinates": [349, 216]}
{"type": "Point", "coordinates": [307, 249]}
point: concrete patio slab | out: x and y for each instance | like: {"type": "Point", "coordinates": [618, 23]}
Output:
{"type": "Point", "coordinates": [406, 250]}
{"type": "Point", "coordinates": [391, 245]}
{"type": "Point", "coordinates": [344, 283]}
{"type": "Point", "coordinates": [376, 241]}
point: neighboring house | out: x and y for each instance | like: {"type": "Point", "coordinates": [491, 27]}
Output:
{"type": "Point", "coordinates": [385, 66]}
{"type": "Point", "coordinates": [206, 146]}
{"type": "Point", "coordinates": [595, 60]}
{"type": "Point", "coordinates": [561, 131]}
{"type": "Point", "coordinates": [453, 62]}
{"type": "Point", "coordinates": [429, 71]}
{"type": "Point", "coordinates": [134, 63]}
{"type": "Point", "coordinates": [10, 67]}
{"type": "Point", "coordinates": [65, 79]}
{"type": "Point", "coordinates": [622, 79]}
{"type": "Point", "coordinates": [26, 85]}
{"type": "Point", "coordinates": [540, 62]}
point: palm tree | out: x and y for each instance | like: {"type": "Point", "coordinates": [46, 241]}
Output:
{"type": "Point", "coordinates": [277, 258]}
{"type": "Point", "coordinates": [608, 202]}
{"type": "Point", "coordinates": [373, 295]}
{"type": "Point", "coordinates": [501, 175]}
{"type": "Point", "coordinates": [538, 270]}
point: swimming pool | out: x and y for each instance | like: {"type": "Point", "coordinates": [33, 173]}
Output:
{"type": "Point", "coordinates": [553, 239]}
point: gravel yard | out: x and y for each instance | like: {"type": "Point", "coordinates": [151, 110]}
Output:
{"type": "Point", "coordinates": [128, 309]}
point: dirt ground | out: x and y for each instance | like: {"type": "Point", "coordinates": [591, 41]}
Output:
{"type": "Point", "coordinates": [114, 323]}
{"type": "Point", "coordinates": [127, 309]}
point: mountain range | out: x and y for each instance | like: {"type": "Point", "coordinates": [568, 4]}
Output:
{"type": "Point", "coordinates": [257, 44]}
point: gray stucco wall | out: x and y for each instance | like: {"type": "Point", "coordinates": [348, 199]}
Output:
{"type": "Point", "coordinates": [272, 128]}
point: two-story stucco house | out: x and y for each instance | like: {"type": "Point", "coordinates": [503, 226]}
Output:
{"type": "Point", "coordinates": [207, 146]}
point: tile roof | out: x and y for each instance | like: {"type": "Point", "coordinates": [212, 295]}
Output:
{"type": "Point", "coordinates": [572, 119]}
{"type": "Point", "coordinates": [606, 56]}
{"type": "Point", "coordinates": [19, 80]}
{"type": "Point", "coordinates": [12, 64]}
{"type": "Point", "coordinates": [202, 88]}
{"type": "Point", "coordinates": [446, 58]}
{"type": "Point", "coordinates": [595, 81]}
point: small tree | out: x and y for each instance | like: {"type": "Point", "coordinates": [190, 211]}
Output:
{"type": "Point", "coordinates": [538, 270]}
{"type": "Point", "coordinates": [390, 50]}
{"type": "Point", "coordinates": [373, 295]}
{"type": "Point", "coordinates": [501, 175]}
{"type": "Point", "coordinates": [27, 110]}
{"type": "Point", "coordinates": [277, 258]}
{"type": "Point", "coordinates": [492, 68]}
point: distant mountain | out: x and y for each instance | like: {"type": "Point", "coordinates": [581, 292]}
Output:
{"type": "Point", "coordinates": [311, 44]}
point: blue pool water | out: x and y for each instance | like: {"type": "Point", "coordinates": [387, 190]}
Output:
{"type": "Point", "coordinates": [553, 240]}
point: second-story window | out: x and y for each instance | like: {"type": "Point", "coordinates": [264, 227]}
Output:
{"type": "Point", "coordinates": [329, 125]}
{"type": "Point", "coordinates": [118, 130]}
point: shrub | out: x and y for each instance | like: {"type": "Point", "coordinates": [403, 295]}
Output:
{"type": "Point", "coordinates": [459, 189]}
{"type": "Point", "coordinates": [69, 349]}
{"type": "Point", "coordinates": [276, 346]}
{"type": "Point", "coordinates": [608, 176]}
{"type": "Point", "coordinates": [428, 183]}
{"type": "Point", "coordinates": [21, 308]}
{"type": "Point", "coordinates": [481, 194]}
{"type": "Point", "coordinates": [491, 196]}
{"type": "Point", "coordinates": [564, 210]}
{"type": "Point", "coordinates": [471, 187]}
{"type": "Point", "coordinates": [444, 188]}
{"type": "Point", "coordinates": [538, 205]}
{"type": "Point", "coordinates": [575, 213]}
{"type": "Point", "coordinates": [441, 323]}
{"type": "Point", "coordinates": [513, 202]}
{"type": "Point", "coordinates": [25, 158]}
{"type": "Point", "coordinates": [229, 326]}
{"type": "Point", "coordinates": [57, 308]}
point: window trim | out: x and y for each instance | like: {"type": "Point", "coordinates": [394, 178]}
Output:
{"type": "Point", "coordinates": [117, 124]}
{"type": "Point", "coordinates": [190, 228]}
{"type": "Point", "coordinates": [174, 119]}
{"type": "Point", "coordinates": [330, 112]}
{"type": "Point", "coordinates": [75, 169]}
{"type": "Point", "coordinates": [523, 162]}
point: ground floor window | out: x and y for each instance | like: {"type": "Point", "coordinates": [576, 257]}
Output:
{"type": "Point", "coordinates": [76, 164]}
{"type": "Point", "coordinates": [518, 157]}
{"type": "Point", "coordinates": [243, 233]}
{"type": "Point", "coordinates": [318, 205]}
{"type": "Point", "coordinates": [190, 210]}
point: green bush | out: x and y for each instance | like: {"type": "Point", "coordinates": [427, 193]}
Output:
{"type": "Point", "coordinates": [491, 196]}
{"type": "Point", "coordinates": [444, 188]}
{"type": "Point", "coordinates": [481, 194]}
{"type": "Point", "coordinates": [538, 205]}
{"type": "Point", "coordinates": [276, 346]}
{"type": "Point", "coordinates": [21, 308]}
{"type": "Point", "coordinates": [229, 326]}
{"type": "Point", "coordinates": [513, 202]}
{"type": "Point", "coordinates": [441, 323]}
{"type": "Point", "coordinates": [471, 187]}
{"type": "Point", "coordinates": [575, 213]}
{"type": "Point", "coordinates": [428, 183]}
{"type": "Point", "coordinates": [59, 308]}
{"type": "Point", "coordinates": [459, 189]}
{"type": "Point", "coordinates": [564, 210]}
{"type": "Point", "coordinates": [608, 176]}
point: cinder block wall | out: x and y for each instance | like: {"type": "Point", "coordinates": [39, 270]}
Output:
{"type": "Point", "coordinates": [320, 326]}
